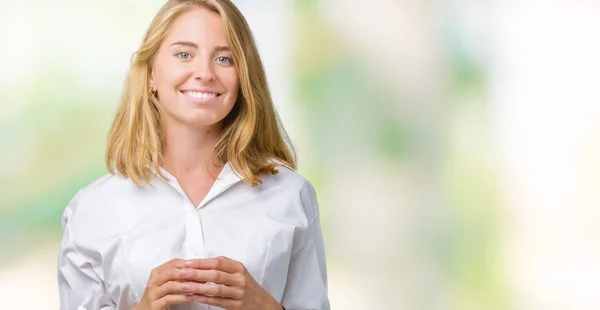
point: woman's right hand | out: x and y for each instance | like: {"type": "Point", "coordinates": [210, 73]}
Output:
{"type": "Point", "coordinates": [164, 288]}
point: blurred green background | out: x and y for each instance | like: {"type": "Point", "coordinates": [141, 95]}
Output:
{"type": "Point", "coordinates": [454, 145]}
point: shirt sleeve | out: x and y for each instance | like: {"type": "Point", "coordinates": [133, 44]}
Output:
{"type": "Point", "coordinates": [79, 285]}
{"type": "Point", "coordinates": [306, 285]}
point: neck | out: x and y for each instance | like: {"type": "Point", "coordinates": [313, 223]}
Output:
{"type": "Point", "coordinates": [190, 150]}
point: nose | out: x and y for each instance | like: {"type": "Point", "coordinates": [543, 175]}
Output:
{"type": "Point", "coordinates": [203, 71]}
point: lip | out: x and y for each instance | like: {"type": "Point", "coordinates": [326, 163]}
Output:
{"type": "Point", "coordinates": [202, 90]}
{"type": "Point", "coordinates": [201, 100]}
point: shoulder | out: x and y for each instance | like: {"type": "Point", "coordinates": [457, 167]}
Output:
{"type": "Point", "coordinates": [293, 190]}
{"type": "Point", "coordinates": [284, 176]}
{"type": "Point", "coordinates": [288, 180]}
{"type": "Point", "coordinates": [89, 205]}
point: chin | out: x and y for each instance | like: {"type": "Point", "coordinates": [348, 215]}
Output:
{"type": "Point", "coordinates": [198, 118]}
{"type": "Point", "coordinates": [202, 121]}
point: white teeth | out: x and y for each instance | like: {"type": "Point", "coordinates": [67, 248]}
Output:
{"type": "Point", "coordinates": [200, 95]}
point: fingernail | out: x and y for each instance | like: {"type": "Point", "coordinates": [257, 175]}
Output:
{"type": "Point", "coordinates": [190, 297]}
{"type": "Point", "coordinates": [186, 286]}
{"type": "Point", "coordinates": [188, 263]}
{"type": "Point", "coordinates": [184, 273]}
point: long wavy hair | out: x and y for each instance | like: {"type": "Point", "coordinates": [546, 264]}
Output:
{"type": "Point", "coordinates": [253, 139]}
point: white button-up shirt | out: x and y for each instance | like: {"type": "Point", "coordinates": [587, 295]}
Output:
{"type": "Point", "coordinates": [115, 233]}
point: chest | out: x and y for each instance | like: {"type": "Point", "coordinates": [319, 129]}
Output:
{"type": "Point", "coordinates": [243, 233]}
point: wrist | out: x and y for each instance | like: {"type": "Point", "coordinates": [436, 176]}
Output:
{"type": "Point", "coordinates": [137, 307]}
{"type": "Point", "coordinates": [278, 306]}
{"type": "Point", "coordinates": [275, 305]}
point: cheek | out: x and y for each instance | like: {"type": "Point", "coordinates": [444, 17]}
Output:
{"type": "Point", "coordinates": [170, 75]}
{"type": "Point", "coordinates": [231, 81]}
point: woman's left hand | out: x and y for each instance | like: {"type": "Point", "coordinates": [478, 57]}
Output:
{"type": "Point", "coordinates": [231, 286]}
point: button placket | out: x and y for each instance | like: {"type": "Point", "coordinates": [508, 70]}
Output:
{"type": "Point", "coordinates": [194, 243]}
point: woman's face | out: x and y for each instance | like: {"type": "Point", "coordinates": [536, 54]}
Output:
{"type": "Point", "coordinates": [193, 72]}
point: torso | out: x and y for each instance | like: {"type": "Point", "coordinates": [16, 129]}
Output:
{"type": "Point", "coordinates": [133, 229]}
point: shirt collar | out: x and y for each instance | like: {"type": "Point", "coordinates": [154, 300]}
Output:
{"type": "Point", "coordinates": [225, 180]}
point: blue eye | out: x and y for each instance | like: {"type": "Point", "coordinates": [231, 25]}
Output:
{"type": "Point", "coordinates": [224, 60]}
{"type": "Point", "coordinates": [184, 55]}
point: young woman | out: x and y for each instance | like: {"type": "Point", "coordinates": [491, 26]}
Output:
{"type": "Point", "coordinates": [202, 208]}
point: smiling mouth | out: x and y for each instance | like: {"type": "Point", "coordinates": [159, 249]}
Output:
{"type": "Point", "coordinates": [200, 95]}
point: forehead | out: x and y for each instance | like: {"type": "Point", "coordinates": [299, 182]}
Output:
{"type": "Point", "coordinates": [198, 25]}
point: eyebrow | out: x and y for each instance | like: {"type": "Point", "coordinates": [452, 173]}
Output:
{"type": "Point", "coordinates": [193, 45]}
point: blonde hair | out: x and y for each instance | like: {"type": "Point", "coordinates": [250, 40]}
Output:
{"type": "Point", "coordinates": [253, 139]}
